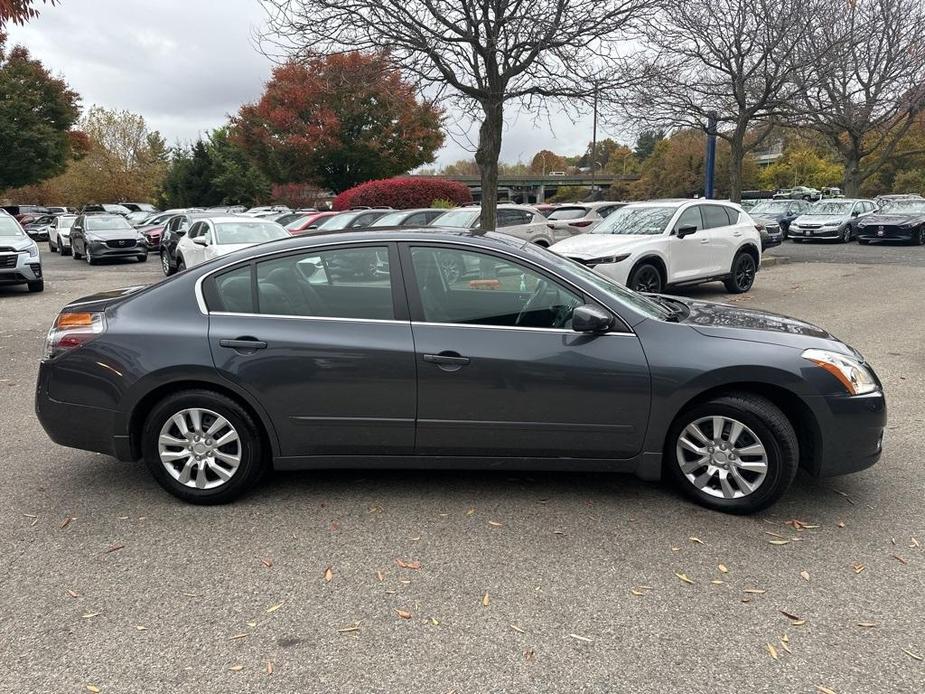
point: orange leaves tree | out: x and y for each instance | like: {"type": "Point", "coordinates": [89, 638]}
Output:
{"type": "Point", "coordinates": [337, 121]}
{"type": "Point", "coordinates": [18, 11]}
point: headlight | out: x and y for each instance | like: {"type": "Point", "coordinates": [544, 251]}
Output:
{"type": "Point", "coordinates": [606, 259]}
{"type": "Point", "coordinates": [851, 373]}
{"type": "Point", "coordinates": [33, 250]}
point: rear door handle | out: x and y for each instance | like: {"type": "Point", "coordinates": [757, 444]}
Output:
{"type": "Point", "coordinates": [704, 241]}
{"type": "Point", "coordinates": [243, 343]}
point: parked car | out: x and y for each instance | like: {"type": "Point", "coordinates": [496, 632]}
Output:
{"type": "Point", "coordinates": [266, 209]}
{"type": "Point", "coordinates": [20, 260]}
{"type": "Point", "coordinates": [798, 193]}
{"type": "Point", "coordinates": [354, 219]}
{"type": "Point", "coordinates": [139, 219]}
{"type": "Point", "coordinates": [778, 212]}
{"type": "Point", "coordinates": [173, 230]}
{"type": "Point", "coordinates": [38, 227]}
{"type": "Point", "coordinates": [580, 218]}
{"type": "Point", "coordinates": [898, 220]}
{"type": "Point", "coordinates": [264, 359]}
{"type": "Point", "coordinates": [106, 209]}
{"type": "Point", "coordinates": [831, 192]}
{"type": "Point", "coordinates": [882, 199]}
{"type": "Point", "coordinates": [106, 236]}
{"type": "Point", "coordinates": [522, 221]}
{"type": "Point", "coordinates": [307, 222]}
{"type": "Point", "coordinates": [59, 236]}
{"type": "Point", "coordinates": [649, 246]}
{"type": "Point", "coordinates": [408, 218]}
{"type": "Point", "coordinates": [140, 207]}
{"type": "Point", "coordinates": [835, 219]}
{"type": "Point", "coordinates": [544, 208]}
{"type": "Point", "coordinates": [18, 210]}
{"type": "Point", "coordinates": [218, 236]}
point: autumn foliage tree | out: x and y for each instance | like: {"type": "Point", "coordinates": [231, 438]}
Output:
{"type": "Point", "coordinates": [337, 121]}
{"type": "Point", "coordinates": [18, 11]}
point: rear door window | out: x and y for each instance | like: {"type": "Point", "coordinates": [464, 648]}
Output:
{"type": "Point", "coordinates": [715, 216]}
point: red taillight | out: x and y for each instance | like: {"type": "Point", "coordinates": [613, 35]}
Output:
{"type": "Point", "coordinates": [72, 330]}
{"type": "Point", "coordinates": [581, 224]}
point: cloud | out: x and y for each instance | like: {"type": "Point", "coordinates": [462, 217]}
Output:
{"type": "Point", "coordinates": [185, 65]}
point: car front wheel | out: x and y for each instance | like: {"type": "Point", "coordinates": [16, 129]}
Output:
{"type": "Point", "coordinates": [737, 453]}
{"type": "Point", "coordinates": [646, 278]}
{"type": "Point", "coordinates": [742, 276]}
{"type": "Point", "coordinates": [166, 268]}
{"type": "Point", "coordinates": [920, 237]}
{"type": "Point", "coordinates": [203, 447]}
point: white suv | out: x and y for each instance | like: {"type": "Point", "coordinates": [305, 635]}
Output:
{"type": "Point", "coordinates": [651, 245]}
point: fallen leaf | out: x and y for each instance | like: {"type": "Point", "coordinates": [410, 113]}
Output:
{"type": "Point", "coordinates": [779, 542]}
{"type": "Point", "coordinates": [805, 575]}
{"type": "Point", "coordinates": [73, 594]}
{"type": "Point", "coordinates": [269, 667]}
{"type": "Point", "coordinates": [717, 582]}
{"type": "Point", "coordinates": [140, 628]}
{"type": "Point", "coordinates": [494, 524]}
{"type": "Point", "coordinates": [114, 548]}
{"type": "Point", "coordinates": [840, 524]}
{"type": "Point", "coordinates": [675, 549]}
{"type": "Point", "coordinates": [416, 565]}
{"type": "Point", "coordinates": [845, 496]}
{"type": "Point", "coordinates": [696, 540]}
{"type": "Point", "coordinates": [89, 615]}
{"type": "Point", "coordinates": [517, 629]}
{"type": "Point", "coordinates": [723, 569]}
{"type": "Point", "coordinates": [67, 522]}
{"type": "Point", "coordinates": [404, 614]}
{"type": "Point", "coordinates": [755, 591]}
{"type": "Point", "coordinates": [267, 563]}
{"type": "Point", "coordinates": [635, 592]}
{"type": "Point", "coordinates": [328, 574]}
{"type": "Point", "coordinates": [380, 576]}
{"type": "Point", "coordinates": [485, 600]}
{"type": "Point", "coordinates": [434, 621]}
{"type": "Point", "coordinates": [783, 644]}
{"type": "Point", "coordinates": [275, 607]}
{"type": "Point", "coordinates": [236, 668]}
{"type": "Point", "coordinates": [375, 508]}
{"type": "Point", "coordinates": [252, 624]}
{"type": "Point", "coordinates": [791, 617]}
{"type": "Point", "coordinates": [858, 568]}
{"type": "Point", "coordinates": [772, 651]}
{"type": "Point", "coordinates": [867, 625]}
{"type": "Point", "coordinates": [824, 690]}
{"type": "Point", "coordinates": [581, 638]}
{"type": "Point", "coordinates": [899, 559]}
{"type": "Point", "coordinates": [914, 656]}
{"type": "Point", "coordinates": [93, 688]}
{"type": "Point", "coordinates": [683, 577]}
{"type": "Point", "coordinates": [470, 512]}
{"type": "Point", "coordinates": [237, 636]}
{"type": "Point", "coordinates": [356, 627]}
{"type": "Point", "coordinates": [529, 654]}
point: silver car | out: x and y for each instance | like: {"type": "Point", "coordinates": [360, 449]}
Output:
{"type": "Point", "coordinates": [522, 221]}
{"type": "Point", "coordinates": [580, 218]}
{"type": "Point", "coordinates": [834, 219]}
{"type": "Point", "coordinates": [20, 262]}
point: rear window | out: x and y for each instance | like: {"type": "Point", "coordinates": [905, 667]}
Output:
{"type": "Point", "coordinates": [567, 213]}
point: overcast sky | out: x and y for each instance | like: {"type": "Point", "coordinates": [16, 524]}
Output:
{"type": "Point", "coordinates": [185, 65]}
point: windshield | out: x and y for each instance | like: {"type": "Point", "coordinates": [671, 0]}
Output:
{"type": "Point", "coordinates": [831, 207]}
{"type": "Point", "coordinates": [339, 221]}
{"type": "Point", "coordinates": [107, 223]}
{"type": "Point", "coordinates": [567, 213]}
{"type": "Point", "coordinates": [248, 232]}
{"type": "Point", "coordinates": [457, 218]}
{"type": "Point", "coordinates": [903, 207]}
{"type": "Point", "coordinates": [299, 221]}
{"type": "Point", "coordinates": [9, 227]}
{"type": "Point", "coordinates": [769, 207]}
{"type": "Point", "coordinates": [636, 220]}
{"type": "Point", "coordinates": [621, 294]}
{"type": "Point", "coordinates": [66, 222]}
{"type": "Point", "coordinates": [392, 219]}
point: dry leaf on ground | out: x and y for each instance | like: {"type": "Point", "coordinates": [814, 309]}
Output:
{"type": "Point", "coordinates": [683, 577]}
{"type": "Point", "coordinates": [772, 651]}
{"type": "Point", "coordinates": [328, 574]}
{"type": "Point", "coordinates": [416, 565]}
{"type": "Point", "coordinates": [403, 614]}
{"type": "Point", "coordinates": [485, 600]}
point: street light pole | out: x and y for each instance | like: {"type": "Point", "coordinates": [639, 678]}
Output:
{"type": "Point", "coordinates": [594, 144]}
{"type": "Point", "coordinates": [710, 163]}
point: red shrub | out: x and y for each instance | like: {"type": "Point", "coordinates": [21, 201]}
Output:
{"type": "Point", "coordinates": [403, 193]}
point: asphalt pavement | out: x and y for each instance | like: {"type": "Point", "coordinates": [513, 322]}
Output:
{"type": "Point", "coordinates": [388, 581]}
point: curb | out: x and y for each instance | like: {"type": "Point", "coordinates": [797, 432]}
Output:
{"type": "Point", "coordinates": [772, 260]}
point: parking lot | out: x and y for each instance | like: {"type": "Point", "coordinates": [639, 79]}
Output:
{"type": "Point", "coordinates": [472, 582]}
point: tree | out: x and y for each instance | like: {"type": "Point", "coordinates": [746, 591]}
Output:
{"type": "Point", "coordinates": [462, 167]}
{"type": "Point", "coordinates": [801, 165]}
{"type": "Point", "coordinates": [545, 161]}
{"type": "Point", "coordinates": [645, 143]}
{"type": "Point", "coordinates": [731, 58]}
{"type": "Point", "coordinates": [486, 53]}
{"type": "Point", "coordinates": [37, 112]}
{"type": "Point", "coordinates": [338, 120]}
{"type": "Point", "coordinates": [869, 94]}
{"type": "Point", "coordinates": [19, 11]}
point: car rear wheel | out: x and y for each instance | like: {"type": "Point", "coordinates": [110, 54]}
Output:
{"type": "Point", "coordinates": [165, 264]}
{"type": "Point", "coordinates": [742, 276]}
{"type": "Point", "coordinates": [736, 453]}
{"type": "Point", "coordinates": [920, 238]}
{"type": "Point", "coordinates": [51, 247]}
{"type": "Point", "coordinates": [74, 254]}
{"type": "Point", "coordinates": [90, 259]}
{"type": "Point", "coordinates": [203, 447]}
{"type": "Point", "coordinates": [646, 278]}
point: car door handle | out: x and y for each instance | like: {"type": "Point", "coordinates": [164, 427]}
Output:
{"type": "Point", "coordinates": [704, 241]}
{"type": "Point", "coordinates": [737, 233]}
{"type": "Point", "coordinates": [452, 359]}
{"type": "Point", "coordinates": [243, 343]}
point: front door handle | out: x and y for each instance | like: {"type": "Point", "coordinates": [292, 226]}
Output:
{"type": "Point", "coordinates": [704, 241]}
{"type": "Point", "coordinates": [244, 344]}
{"type": "Point", "coordinates": [448, 361]}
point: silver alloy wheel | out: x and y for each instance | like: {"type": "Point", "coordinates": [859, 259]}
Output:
{"type": "Point", "coordinates": [165, 264]}
{"type": "Point", "coordinates": [722, 457]}
{"type": "Point", "coordinates": [199, 448]}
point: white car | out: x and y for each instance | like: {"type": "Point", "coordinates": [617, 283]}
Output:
{"type": "Point", "coordinates": [649, 246]}
{"type": "Point", "coordinates": [59, 234]}
{"type": "Point", "coordinates": [580, 218]}
{"type": "Point", "coordinates": [266, 209]}
{"type": "Point", "coordinates": [217, 236]}
{"type": "Point", "coordinates": [522, 221]}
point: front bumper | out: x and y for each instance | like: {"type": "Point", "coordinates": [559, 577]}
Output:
{"type": "Point", "coordinates": [877, 233]}
{"type": "Point", "coordinates": [820, 233]}
{"type": "Point", "coordinates": [37, 234]}
{"type": "Point", "coordinates": [18, 268]}
{"type": "Point", "coordinates": [102, 249]}
{"type": "Point", "coordinates": [851, 432]}
{"type": "Point", "coordinates": [618, 272]}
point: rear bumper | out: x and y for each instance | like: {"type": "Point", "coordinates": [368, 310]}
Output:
{"type": "Point", "coordinates": [851, 432]}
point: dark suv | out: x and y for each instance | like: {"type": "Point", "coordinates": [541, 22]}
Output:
{"type": "Point", "coordinates": [99, 236]}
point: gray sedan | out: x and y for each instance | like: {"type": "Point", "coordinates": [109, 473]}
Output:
{"type": "Point", "coordinates": [356, 350]}
{"type": "Point", "coordinates": [831, 219]}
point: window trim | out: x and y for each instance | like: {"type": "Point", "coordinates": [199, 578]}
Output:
{"type": "Point", "coordinates": [416, 307]}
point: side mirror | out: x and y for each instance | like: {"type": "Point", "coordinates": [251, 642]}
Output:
{"type": "Point", "coordinates": [855, 213]}
{"type": "Point", "coordinates": [686, 231]}
{"type": "Point", "coordinates": [201, 241]}
{"type": "Point", "coordinates": [591, 319]}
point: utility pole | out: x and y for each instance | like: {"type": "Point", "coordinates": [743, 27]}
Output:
{"type": "Point", "coordinates": [594, 145]}
{"type": "Point", "coordinates": [710, 163]}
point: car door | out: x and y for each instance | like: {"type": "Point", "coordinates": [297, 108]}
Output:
{"type": "Point", "coordinates": [500, 372]}
{"type": "Point", "coordinates": [77, 235]}
{"type": "Point", "coordinates": [191, 252]}
{"type": "Point", "coordinates": [328, 355]}
{"type": "Point", "coordinates": [722, 227]}
{"type": "Point", "coordinates": [690, 257]}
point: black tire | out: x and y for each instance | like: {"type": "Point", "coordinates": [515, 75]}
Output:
{"type": "Point", "coordinates": [143, 258]}
{"type": "Point", "coordinates": [252, 465]}
{"type": "Point", "coordinates": [846, 235]}
{"type": "Point", "coordinates": [63, 251]}
{"type": "Point", "coordinates": [742, 275]}
{"type": "Point", "coordinates": [74, 254]}
{"type": "Point", "coordinates": [37, 286]}
{"type": "Point", "coordinates": [772, 429]}
{"type": "Point", "coordinates": [452, 266]}
{"type": "Point", "coordinates": [920, 239]}
{"type": "Point", "coordinates": [646, 277]}
{"type": "Point", "coordinates": [51, 247]}
{"type": "Point", "coordinates": [166, 267]}
{"type": "Point", "coordinates": [181, 265]}
{"type": "Point", "coordinates": [863, 242]}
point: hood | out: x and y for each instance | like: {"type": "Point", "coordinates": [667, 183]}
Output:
{"type": "Point", "coordinates": [821, 219]}
{"type": "Point", "coordinates": [102, 300]}
{"type": "Point", "coordinates": [725, 320]}
{"type": "Point", "coordinates": [599, 245]}
{"type": "Point", "coordinates": [768, 218]}
{"type": "Point", "coordinates": [113, 234]}
{"type": "Point", "coordinates": [19, 243]}
{"type": "Point", "coordinates": [892, 219]}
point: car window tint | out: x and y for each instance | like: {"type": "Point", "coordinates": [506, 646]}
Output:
{"type": "Point", "coordinates": [233, 292]}
{"type": "Point", "coordinates": [690, 218]}
{"type": "Point", "coordinates": [196, 230]}
{"type": "Point", "coordinates": [714, 216]}
{"type": "Point", "coordinates": [480, 289]}
{"type": "Point", "coordinates": [340, 283]}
